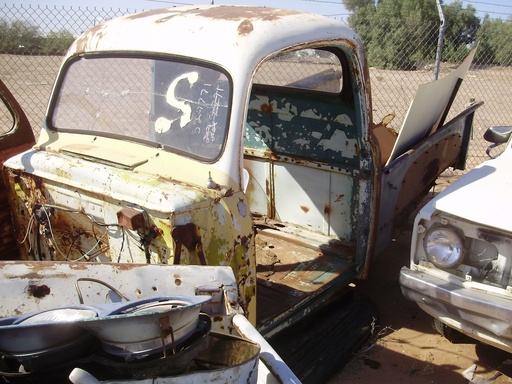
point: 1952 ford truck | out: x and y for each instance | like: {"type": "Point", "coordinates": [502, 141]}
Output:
{"type": "Point", "coordinates": [227, 136]}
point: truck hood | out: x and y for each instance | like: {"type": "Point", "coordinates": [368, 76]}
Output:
{"type": "Point", "coordinates": [481, 196]}
{"type": "Point", "coordinates": [111, 182]}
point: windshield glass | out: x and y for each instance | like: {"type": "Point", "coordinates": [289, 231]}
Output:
{"type": "Point", "coordinates": [180, 106]}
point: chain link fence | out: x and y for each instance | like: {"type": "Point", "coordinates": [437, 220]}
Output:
{"type": "Point", "coordinates": [30, 75]}
{"type": "Point", "coordinates": [393, 90]}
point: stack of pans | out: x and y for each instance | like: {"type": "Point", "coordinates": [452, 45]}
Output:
{"type": "Point", "coordinates": [156, 329]}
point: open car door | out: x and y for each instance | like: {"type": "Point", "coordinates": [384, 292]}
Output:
{"type": "Point", "coordinates": [426, 146]}
{"type": "Point", "coordinates": [408, 178]}
{"type": "Point", "coordinates": [16, 136]}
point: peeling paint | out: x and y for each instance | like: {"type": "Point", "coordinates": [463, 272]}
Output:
{"type": "Point", "coordinates": [302, 143]}
{"type": "Point", "coordinates": [339, 143]}
{"type": "Point", "coordinates": [344, 119]}
{"type": "Point", "coordinates": [245, 27]}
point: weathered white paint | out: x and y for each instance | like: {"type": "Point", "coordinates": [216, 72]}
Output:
{"type": "Point", "coordinates": [481, 196]}
{"type": "Point", "coordinates": [339, 142]}
{"type": "Point", "coordinates": [344, 119]}
{"type": "Point", "coordinates": [115, 183]}
{"type": "Point", "coordinates": [248, 34]}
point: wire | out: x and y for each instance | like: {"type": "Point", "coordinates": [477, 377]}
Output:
{"type": "Point", "coordinates": [87, 255]}
{"type": "Point", "coordinates": [29, 229]}
{"type": "Point", "coordinates": [83, 213]}
{"type": "Point", "coordinates": [491, 5]}
{"type": "Point", "coordinates": [51, 232]}
{"type": "Point", "coordinates": [91, 279]}
{"type": "Point", "coordinates": [484, 3]}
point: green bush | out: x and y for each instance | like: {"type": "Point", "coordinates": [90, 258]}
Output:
{"type": "Point", "coordinates": [21, 38]}
{"type": "Point", "coordinates": [403, 34]}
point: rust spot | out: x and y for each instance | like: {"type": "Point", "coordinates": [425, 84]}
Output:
{"type": "Point", "coordinates": [327, 210]}
{"type": "Point", "coordinates": [78, 266]}
{"type": "Point", "coordinates": [271, 155]}
{"type": "Point", "coordinates": [245, 241]}
{"type": "Point", "coordinates": [304, 208]}
{"type": "Point", "coordinates": [39, 291]}
{"type": "Point", "coordinates": [229, 192]}
{"type": "Point", "coordinates": [431, 171]}
{"type": "Point", "coordinates": [154, 12]}
{"type": "Point", "coordinates": [266, 108]}
{"type": "Point", "coordinates": [164, 19]}
{"type": "Point", "coordinates": [82, 42]}
{"type": "Point", "coordinates": [187, 235]}
{"type": "Point", "coordinates": [339, 198]}
{"type": "Point", "coordinates": [245, 27]}
{"type": "Point", "coordinates": [130, 218]}
{"type": "Point", "coordinates": [227, 12]}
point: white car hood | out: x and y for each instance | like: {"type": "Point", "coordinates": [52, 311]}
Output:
{"type": "Point", "coordinates": [483, 195]}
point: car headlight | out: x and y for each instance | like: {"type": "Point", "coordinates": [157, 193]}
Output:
{"type": "Point", "coordinates": [444, 247]}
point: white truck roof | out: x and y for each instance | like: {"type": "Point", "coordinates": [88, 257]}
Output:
{"type": "Point", "coordinates": [223, 34]}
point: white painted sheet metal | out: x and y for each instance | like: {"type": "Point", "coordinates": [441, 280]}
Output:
{"type": "Point", "coordinates": [481, 196]}
{"type": "Point", "coordinates": [46, 285]}
{"type": "Point", "coordinates": [200, 31]}
{"type": "Point", "coordinates": [115, 183]}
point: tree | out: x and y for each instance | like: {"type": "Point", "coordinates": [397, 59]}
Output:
{"type": "Point", "coordinates": [403, 34]}
{"type": "Point", "coordinates": [353, 5]}
{"type": "Point", "coordinates": [460, 33]}
{"type": "Point", "coordinates": [395, 32]}
{"type": "Point", "coordinates": [20, 37]}
{"type": "Point", "coordinates": [57, 43]}
{"type": "Point", "coordinates": [495, 42]}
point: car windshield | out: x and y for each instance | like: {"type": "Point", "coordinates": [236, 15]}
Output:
{"type": "Point", "coordinates": [182, 107]}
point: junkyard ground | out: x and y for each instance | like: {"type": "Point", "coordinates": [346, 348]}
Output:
{"type": "Point", "coordinates": [404, 348]}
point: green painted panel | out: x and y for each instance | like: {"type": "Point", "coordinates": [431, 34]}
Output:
{"type": "Point", "coordinates": [304, 125]}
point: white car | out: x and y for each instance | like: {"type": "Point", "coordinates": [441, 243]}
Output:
{"type": "Point", "coordinates": [461, 252]}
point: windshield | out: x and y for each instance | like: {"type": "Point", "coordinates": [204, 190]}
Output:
{"type": "Point", "coordinates": [179, 106]}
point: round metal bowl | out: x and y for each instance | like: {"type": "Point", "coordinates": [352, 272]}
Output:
{"type": "Point", "coordinates": [140, 328]}
{"type": "Point", "coordinates": [42, 331]}
{"type": "Point", "coordinates": [107, 367]}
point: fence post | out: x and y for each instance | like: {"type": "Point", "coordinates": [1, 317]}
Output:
{"type": "Point", "coordinates": [440, 40]}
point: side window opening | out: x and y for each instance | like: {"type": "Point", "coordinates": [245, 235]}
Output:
{"type": "Point", "coordinates": [307, 69]}
{"type": "Point", "coordinates": [300, 105]}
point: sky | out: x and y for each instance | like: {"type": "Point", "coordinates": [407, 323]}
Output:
{"type": "Point", "coordinates": [334, 8]}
